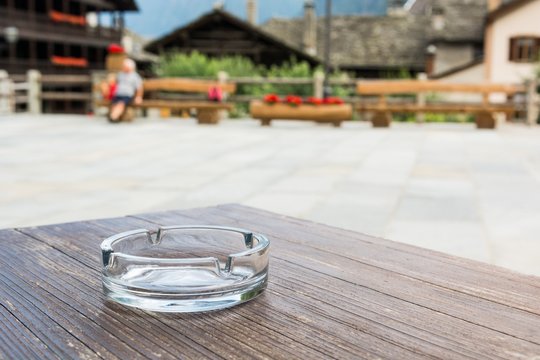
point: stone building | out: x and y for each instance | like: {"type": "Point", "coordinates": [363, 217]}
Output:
{"type": "Point", "coordinates": [430, 36]}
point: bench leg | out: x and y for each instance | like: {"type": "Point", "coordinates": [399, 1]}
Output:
{"type": "Point", "coordinates": [381, 119]}
{"type": "Point", "coordinates": [208, 116]}
{"type": "Point", "coordinates": [485, 120]}
{"type": "Point", "coordinates": [266, 122]}
{"type": "Point", "coordinates": [336, 123]}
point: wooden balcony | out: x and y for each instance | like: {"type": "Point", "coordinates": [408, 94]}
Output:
{"type": "Point", "coordinates": [21, 66]}
{"type": "Point", "coordinates": [42, 27]}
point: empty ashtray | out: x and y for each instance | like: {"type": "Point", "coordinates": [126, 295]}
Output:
{"type": "Point", "coordinates": [185, 268]}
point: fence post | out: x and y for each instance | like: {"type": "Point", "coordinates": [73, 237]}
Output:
{"type": "Point", "coordinates": [421, 100]}
{"type": "Point", "coordinates": [34, 91]}
{"type": "Point", "coordinates": [222, 79]}
{"type": "Point", "coordinates": [7, 103]}
{"type": "Point", "coordinates": [96, 78]}
{"type": "Point", "coordinates": [532, 103]}
{"type": "Point", "coordinates": [318, 84]}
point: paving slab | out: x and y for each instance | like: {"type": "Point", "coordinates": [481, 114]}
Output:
{"type": "Point", "coordinates": [447, 187]}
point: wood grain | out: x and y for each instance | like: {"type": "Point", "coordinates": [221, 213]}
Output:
{"type": "Point", "coordinates": [332, 293]}
{"type": "Point", "coordinates": [324, 113]}
{"type": "Point", "coordinates": [416, 86]}
{"type": "Point", "coordinates": [186, 85]}
{"type": "Point", "coordinates": [469, 108]}
{"type": "Point", "coordinates": [176, 104]}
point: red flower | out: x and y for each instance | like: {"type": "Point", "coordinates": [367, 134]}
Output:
{"type": "Point", "coordinates": [115, 49]}
{"type": "Point", "coordinates": [271, 99]}
{"type": "Point", "coordinates": [333, 101]}
{"type": "Point", "coordinates": [293, 100]}
{"type": "Point", "coordinates": [314, 100]}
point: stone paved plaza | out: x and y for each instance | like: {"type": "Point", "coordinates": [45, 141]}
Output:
{"type": "Point", "coordinates": [446, 187]}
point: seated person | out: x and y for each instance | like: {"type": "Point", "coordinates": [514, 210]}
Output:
{"type": "Point", "coordinates": [129, 88]}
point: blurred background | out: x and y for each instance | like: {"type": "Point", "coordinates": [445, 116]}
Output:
{"type": "Point", "coordinates": [435, 73]}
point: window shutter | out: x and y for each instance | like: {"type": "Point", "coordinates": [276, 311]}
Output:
{"type": "Point", "coordinates": [512, 50]}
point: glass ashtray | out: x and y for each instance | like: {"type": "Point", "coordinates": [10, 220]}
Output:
{"type": "Point", "coordinates": [184, 268]}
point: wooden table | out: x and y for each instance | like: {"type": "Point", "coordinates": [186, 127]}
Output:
{"type": "Point", "coordinates": [332, 294]}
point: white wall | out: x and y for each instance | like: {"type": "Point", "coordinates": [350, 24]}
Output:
{"type": "Point", "coordinates": [473, 74]}
{"type": "Point", "coordinates": [470, 75]}
{"type": "Point", "coordinates": [523, 21]}
{"type": "Point", "coordinates": [450, 56]}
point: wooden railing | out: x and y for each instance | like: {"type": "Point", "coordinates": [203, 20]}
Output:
{"type": "Point", "coordinates": [27, 92]}
{"type": "Point", "coordinates": [533, 102]}
{"type": "Point", "coordinates": [316, 82]}
{"type": "Point", "coordinates": [46, 66]}
{"type": "Point", "coordinates": [33, 88]}
{"type": "Point", "coordinates": [14, 94]}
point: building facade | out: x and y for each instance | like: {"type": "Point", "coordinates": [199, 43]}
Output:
{"type": "Point", "coordinates": [513, 42]}
{"type": "Point", "coordinates": [511, 46]}
{"type": "Point", "coordinates": [58, 36]}
{"type": "Point", "coordinates": [219, 33]}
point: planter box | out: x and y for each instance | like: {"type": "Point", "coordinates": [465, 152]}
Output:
{"type": "Point", "coordinates": [334, 114]}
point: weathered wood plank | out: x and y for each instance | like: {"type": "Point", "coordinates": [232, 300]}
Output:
{"type": "Point", "coordinates": [49, 79]}
{"type": "Point", "coordinates": [470, 108]}
{"type": "Point", "coordinates": [332, 294]}
{"type": "Point", "coordinates": [482, 279]}
{"type": "Point", "coordinates": [177, 219]}
{"type": "Point", "coordinates": [320, 113]}
{"type": "Point", "coordinates": [319, 341]}
{"type": "Point", "coordinates": [17, 341]}
{"type": "Point", "coordinates": [177, 104]}
{"type": "Point", "coordinates": [414, 286]}
{"type": "Point", "coordinates": [208, 325]}
{"type": "Point", "coordinates": [80, 294]}
{"type": "Point", "coordinates": [186, 85]}
{"type": "Point", "coordinates": [416, 86]}
{"type": "Point", "coordinates": [66, 95]}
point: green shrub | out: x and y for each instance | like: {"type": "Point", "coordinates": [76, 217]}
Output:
{"type": "Point", "coordinates": [198, 65]}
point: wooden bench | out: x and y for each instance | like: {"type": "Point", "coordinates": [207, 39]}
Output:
{"type": "Point", "coordinates": [333, 114]}
{"type": "Point", "coordinates": [158, 95]}
{"type": "Point", "coordinates": [383, 107]}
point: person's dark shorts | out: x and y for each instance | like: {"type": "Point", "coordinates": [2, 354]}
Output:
{"type": "Point", "coordinates": [126, 100]}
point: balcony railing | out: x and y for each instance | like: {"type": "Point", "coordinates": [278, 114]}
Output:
{"type": "Point", "coordinates": [41, 26]}
{"type": "Point", "coordinates": [21, 66]}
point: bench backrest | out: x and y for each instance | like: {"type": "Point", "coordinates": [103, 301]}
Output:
{"type": "Point", "coordinates": [389, 87]}
{"type": "Point", "coordinates": [186, 85]}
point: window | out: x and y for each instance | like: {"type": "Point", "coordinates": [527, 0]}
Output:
{"type": "Point", "coordinates": [437, 18]}
{"type": "Point", "coordinates": [524, 49]}
{"type": "Point", "coordinates": [21, 5]}
{"type": "Point", "coordinates": [42, 50]}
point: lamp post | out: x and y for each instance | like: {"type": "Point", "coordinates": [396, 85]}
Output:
{"type": "Point", "coordinates": [327, 66]}
{"type": "Point", "coordinates": [431, 52]}
{"type": "Point", "coordinates": [11, 34]}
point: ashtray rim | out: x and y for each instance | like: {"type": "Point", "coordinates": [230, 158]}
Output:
{"type": "Point", "coordinates": [107, 244]}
